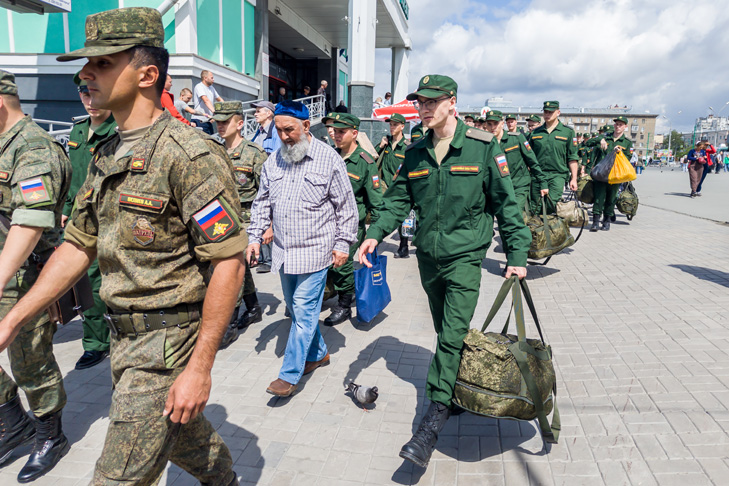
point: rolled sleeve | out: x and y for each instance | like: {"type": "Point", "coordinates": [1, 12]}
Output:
{"type": "Point", "coordinates": [77, 236]}
{"type": "Point", "coordinates": [34, 217]}
{"type": "Point", "coordinates": [225, 249]}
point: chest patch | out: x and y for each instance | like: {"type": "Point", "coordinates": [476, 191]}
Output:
{"type": "Point", "coordinates": [72, 144]}
{"type": "Point", "coordinates": [376, 182]}
{"type": "Point", "coordinates": [557, 137]}
{"type": "Point", "coordinates": [143, 232]}
{"type": "Point", "coordinates": [538, 137]}
{"type": "Point", "coordinates": [418, 173]}
{"type": "Point", "coordinates": [87, 194]}
{"type": "Point", "coordinates": [469, 169]}
{"type": "Point", "coordinates": [139, 164]}
{"type": "Point", "coordinates": [214, 221]}
{"type": "Point", "coordinates": [353, 176]}
{"type": "Point", "coordinates": [400, 156]}
{"type": "Point", "coordinates": [140, 202]}
{"type": "Point", "coordinates": [509, 149]}
{"type": "Point", "coordinates": [4, 176]}
{"type": "Point", "coordinates": [34, 191]}
{"type": "Point", "coordinates": [503, 166]}
{"type": "Point", "coordinates": [244, 169]}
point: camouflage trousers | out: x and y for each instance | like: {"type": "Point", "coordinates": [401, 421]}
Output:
{"type": "Point", "coordinates": [31, 356]}
{"type": "Point", "coordinates": [343, 277]}
{"type": "Point", "coordinates": [140, 441]}
{"type": "Point", "coordinates": [452, 289]}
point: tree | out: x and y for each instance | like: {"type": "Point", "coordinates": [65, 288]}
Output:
{"type": "Point", "coordinates": [678, 145]}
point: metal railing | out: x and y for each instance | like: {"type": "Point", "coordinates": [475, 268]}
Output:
{"type": "Point", "coordinates": [316, 105]}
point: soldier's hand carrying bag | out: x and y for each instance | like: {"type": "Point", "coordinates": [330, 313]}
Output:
{"type": "Point", "coordinates": [550, 234]}
{"type": "Point", "coordinates": [506, 376]}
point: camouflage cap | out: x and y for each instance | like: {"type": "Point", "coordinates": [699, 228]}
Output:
{"type": "Point", "coordinates": [534, 118]}
{"type": "Point", "coordinates": [493, 115]}
{"type": "Point", "coordinates": [551, 106]}
{"type": "Point", "coordinates": [396, 117]}
{"type": "Point", "coordinates": [7, 83]}
{"type": "Point", "coordinates": [117, 30]}
{"type": "Point", "coordinates": [434, 86]}
{"type": "Point", "coordinates": [226, 109]}
{"type": "Point", "coordinates": [621, 119]}
{"type": "Point", "coordinates": [341, 120]}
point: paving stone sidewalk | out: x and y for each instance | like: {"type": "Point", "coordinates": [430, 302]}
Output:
{"type": "Point", "coordinates": [637, 318]}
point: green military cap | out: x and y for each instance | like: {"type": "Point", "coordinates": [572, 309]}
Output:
{"type": "Point", "coordinates": [551, 106]}
{"type": "Point", "coordinates": [225, 109]}
{"type": "Point", "coordinates": [117, 30]}
{"type": "Point", "coordinates": [434, 86]}
{"type": "Point", "coordinates": [534, 118]}
{"type": "Point", "coordinates": [621, 119]}
{"type": "Point", "coordinates": [510, 117]}
{"type": "Point", "coordinates": [7, 83]}
{"type": "Point", "coordinates": [493, 115]}
{"type": "Point", "coordinates": [341, 120]}
{"type": "Point", "coordinates": [77, 79]}
{"type": "Point", "coordinates": [397, 117]}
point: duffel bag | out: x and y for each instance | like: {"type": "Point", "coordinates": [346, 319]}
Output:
{"type": "Point", "coordinates": [550, 234]}
{"type": "Point", "coordinates": [506, 376]}
{"type": "Point", "coordinates": [573, 213]}
{"type": "Point", "coordinates": [584, 190]}
{"type": "Point", "coordinates": [627, 202]}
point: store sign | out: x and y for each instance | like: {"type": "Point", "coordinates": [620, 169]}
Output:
{"type": "Point", "coordinates": [405, 8]}
{"type": "Point", "coordinates": [64, 5]}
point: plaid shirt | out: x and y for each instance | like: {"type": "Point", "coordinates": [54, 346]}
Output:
{"type": "Point", "coordinates": [312, 207]}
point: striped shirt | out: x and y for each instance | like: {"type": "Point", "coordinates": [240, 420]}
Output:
{"type": "Point", "coordinates": [312, 207]}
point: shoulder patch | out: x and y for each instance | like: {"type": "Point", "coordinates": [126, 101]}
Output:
{"type": "Point", "coordinates": [526, 144]}
{"type": "Point", "coordinates": [376, 182]}
{"type": "Point", "coordinates": [215, 221]}
{"type": "Point", "coordinates": [368, 158]}
{"type": "Point", "coordinates": [34, 191]}
{"type": "Point", "coordinates": [502, 165]}
{"type": "Point", "coordinates": [479, 135]}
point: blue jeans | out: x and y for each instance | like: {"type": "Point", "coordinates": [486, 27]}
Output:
{"type": "Point", "coordinates": [303, 295]}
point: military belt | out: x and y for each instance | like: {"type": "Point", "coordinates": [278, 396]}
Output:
{"type": "Point", "coordinates": [124, 323]}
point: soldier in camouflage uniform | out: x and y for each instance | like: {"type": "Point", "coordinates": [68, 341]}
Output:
{"type": "Point", "coordinates": [363, 175]}
{"type": "Point", "coordinates": [248, 159]}
{"type": "Point", "coordinates": [159, 208]}
{"type": "Point", "coordinates": [35, 175]}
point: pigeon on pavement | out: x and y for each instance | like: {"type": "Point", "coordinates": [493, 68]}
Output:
{"type": "Point", "coordinates": [364, 395]}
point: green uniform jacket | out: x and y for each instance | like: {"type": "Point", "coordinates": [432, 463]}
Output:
{"type": "Point", "coordinates": [81, 150]}
{"type": "Point", "coordinates": [456, 201]}
{"type": "Point", "coordinates": [157, 216]}
{"type": "Point", "coordinates": [589, 159]}
{"type": "Point", "coordinates": [391, 159]}
{"type": "Point", "coordinates": [247, 159]}
{"type": "Point", "coordinates": [35, 175]}
{"type": "Point", "coordinates": [362, 172]}
{"type": "Point", "coordinates": [623, 141]}
{"type": "Point", "coordinates": [523, 164]}
{"type": "Point", "coordinates": [555, 150]}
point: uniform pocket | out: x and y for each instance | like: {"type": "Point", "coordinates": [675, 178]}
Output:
{"type": "Point", "coordinates": [314, 188]}
{"type": "Point", "coordinates": [143, 223]}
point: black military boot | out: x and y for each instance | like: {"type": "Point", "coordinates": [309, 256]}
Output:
{"type": "Point", "coordinates": [342, 311]}
{"type": "Point", "coordinates": [16, 428]}
{"type": "Point", "coordinates": [49, 447]}
{"type": "Point", "coordinates": [595, 223]}
{"type": "Point", "coordinates": [231, 332]}
{"type": "Point", "coordinates": [606, 223]}
{"type": "Point", "coordinates": [253, 311]}
{"type": "Point", "coordinates": [403, 251]}
{"type": "Point", "coordinates": [420, 447]}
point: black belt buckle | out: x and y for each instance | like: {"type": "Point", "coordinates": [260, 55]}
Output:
{"type": "Point", "coordinates": [112, 327]}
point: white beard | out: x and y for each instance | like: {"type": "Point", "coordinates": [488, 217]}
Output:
{"type": "Point", "coordinates": [292, 154]}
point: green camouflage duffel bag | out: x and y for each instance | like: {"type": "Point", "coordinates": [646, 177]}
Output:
{"type": "Point", "coordinates": [627, 202]}
{"type": "Point", "coordinates": [584, 190]}
{"type": "Point", "coordinates": [550, 234]}
{"type": "Point", "coordinates": [506, 376]}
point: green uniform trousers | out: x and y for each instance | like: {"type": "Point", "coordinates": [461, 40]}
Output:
{"type": "Point", "coordinates": [452, 290]}
{"type": "Point", "coordinates": [343, 277]}
{"type": "Point", "coordinates": [139, 440]}
{"type": "Point", "coordinates": [96, 332]}
{"type": "Point", "coordinates": [31, 356]}
{"type": "Point", "coordinates": [556, 184]}
{"type": "Point", "coordinates": [605, 196]}
{"type": "Point", "coordinates": [522, 196]}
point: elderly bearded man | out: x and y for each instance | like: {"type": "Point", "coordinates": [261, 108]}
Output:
{"type": "Point", "coordinates": [306, 194]}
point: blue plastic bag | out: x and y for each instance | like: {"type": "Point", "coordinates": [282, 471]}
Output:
{"type": "Point", "coordinates": [373, 293]}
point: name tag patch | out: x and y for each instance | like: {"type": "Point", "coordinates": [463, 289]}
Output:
{"type": "Point", "coordinates": [418, 173]}
{"type": "Point", "coordinates": [72, 144]}
{"type": "Point", "coordinates": [564, 139]}
{"type": "Point", "coordinates": [470, 169]}
{"type": "Point", "coordinates": [34, 191]}
{"type": "Point", "coordinates": [376, 182]}
{"type": "Point", "coordinates": [353, 176]}
{"type": "Point", "coordinates": [140, 202]}
{"type": "Point", "coordinates": [509, 149]}
{"type": "Point", "coordinates": [503, 166]}
{"type": "Point", "coordinates": [538, 137]}
{"type": "Point", "coordinates": [143, 232]}
{"type": "Point", "coordinates": [214, 221]}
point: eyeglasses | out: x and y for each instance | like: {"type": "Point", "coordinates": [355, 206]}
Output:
{"type": "Point", "coordinates": [430, 103]}
{"type": "Point", "coordinates": [83, 89]}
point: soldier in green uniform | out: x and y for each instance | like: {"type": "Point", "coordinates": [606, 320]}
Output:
{"type": "Point", "coordinates": [469, 120]}
{"type": "Point", "coordinates": [533, 121]}
{"type": "Point", "coordinates": [248, 159]}
{"type": "Point", "coordinates": [391, 153]}
{"type": "Point", "coordinates": [85, 136]}
{"type": "Point", "coordinates": [159, 208]}
{"type": "Point", "coordinates": [363, 175]}
{"type": "Point", "coordinates": [457, 179]}
{"type": "Point", "coordinates": [34, 178]}
{"type": "Point", "coordinates": [607, 194]}
{"type": "Point", "coordinates": [511, 124]}
{"type": "Point", "coordinates": [417, 132]}
{"type": "Point", "coordinates": [555, 146]}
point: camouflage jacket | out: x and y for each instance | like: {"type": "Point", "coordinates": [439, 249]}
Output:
{"type": "Point", "coordinates": [158, 216]}
{"type": "Point", "coordinates": [35, 175]}
{"type": "Point", "coordinates": [248, 159]}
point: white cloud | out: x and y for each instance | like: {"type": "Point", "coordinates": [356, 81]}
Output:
{"type": "Point", "coordinates": [662, 56]}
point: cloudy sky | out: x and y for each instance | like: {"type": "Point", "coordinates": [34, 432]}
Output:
{"type": "Point", "coordinates": [663, 56]}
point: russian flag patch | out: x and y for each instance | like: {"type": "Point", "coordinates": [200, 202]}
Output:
{"type": "Point", "coordinates": [34, 191]}
{"type": "Point", "coordinates": [503, 166]}
{"type": "Point", "coordinates": [214, 221]}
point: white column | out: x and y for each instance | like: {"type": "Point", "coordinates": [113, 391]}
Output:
{"type": "Point", "coordinates": [400, 73]}
{"type": "Point", "coordinates": [362, 31]}
{"type": "Point", "coordinates": [186, 28]}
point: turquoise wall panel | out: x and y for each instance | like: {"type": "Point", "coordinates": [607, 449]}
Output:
{"type": "Point", "coordinates": [77, 19]}
{"type": "Point", "coordinates": [38, 33]}
{"type": "Point", "coordinates": [250, 33]}
{"type": "Point", "coordinates": [232, 35]}
{"type": "Point", "coordinates": [4, 35]}
{"type": "Point", "coordinates": [208, 30]}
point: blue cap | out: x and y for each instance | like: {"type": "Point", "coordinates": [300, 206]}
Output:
{"type": "Point", "coordinates": [292, 108]}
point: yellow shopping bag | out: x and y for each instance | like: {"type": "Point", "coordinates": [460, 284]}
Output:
{"type": "Point", "coordinates": [622, 171]}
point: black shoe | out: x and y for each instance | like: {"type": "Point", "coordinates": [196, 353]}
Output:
{"type": "Point", "coordinates": [402, 252]}
{"type": "Point", "coordinates": [254, 314]}
{"type": "Point", "coordinates": [613, 218]}
{"type": "Point", "coordinates": [230, 336]}
{"type": "Point", "coordinates": [263, 268]}
{"type": "Point", "coordinates": [595, 223]}
{"type": "Point", "coordinates": [49, 447]}
{"type": "Point", "coordinates": [605, 224]}
{"type": "Point", "coordinates": [16, 426]}
{"type": "Point", "coordinates": [342, 311]}
{"type": "Point", "coordinates": [420, 447]}
{"type": "Point", "coordinates": [90, 359]}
